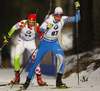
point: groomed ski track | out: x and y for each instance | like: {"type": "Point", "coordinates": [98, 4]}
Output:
{"type": "Point", "coordinates": [6, 75]}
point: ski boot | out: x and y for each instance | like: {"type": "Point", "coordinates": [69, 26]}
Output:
{"type": "Point", "coordinates": [17, 78]}
{"type": "Point", "coordinates": [39, 80]}
{"type": "Point", "coordinates": [26, 84]}
{"type": "Point", "coordinates": [59, 83]}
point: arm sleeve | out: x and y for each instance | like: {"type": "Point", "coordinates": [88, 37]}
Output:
{"type": "Point", "coordinates": [12, 30]}
{"type": "Point", "coordinates": [73, 19]}
{"type": "Point", "coordinates": [16, 26]}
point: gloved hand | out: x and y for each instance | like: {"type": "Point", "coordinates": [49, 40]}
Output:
{"type": "Point", "coordinates": [49, 26]}
{"type": "Point", "coordinates": [6, 38]}
{"type": "Point", "coordinates": [77, 4]}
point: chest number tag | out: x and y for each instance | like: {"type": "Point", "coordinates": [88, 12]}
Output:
{"type": "Point", "coordinates": [54, 33]}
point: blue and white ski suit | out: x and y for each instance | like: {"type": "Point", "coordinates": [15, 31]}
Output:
{"type": "Point", "coordinates": [50, 42]}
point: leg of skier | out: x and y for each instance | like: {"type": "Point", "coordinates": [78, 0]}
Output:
{"type": "Point", "coordinates": [16, 64]}
{"type": "Point", "coordinates": [19, 50]}
{"type": "Point", "coordinates": [31, 47]}
{"type": "Point", "coordinates": [42, 50]}
{"type": "Point", "coordinates": [38, 74]}
{"type": "Point", "coordinates": [60, 69]}
{"type": "Point", "coordinates": [57, 50]}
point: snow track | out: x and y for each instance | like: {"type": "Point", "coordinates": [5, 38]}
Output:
{"type": "Point", "coordinates": [6, 75]}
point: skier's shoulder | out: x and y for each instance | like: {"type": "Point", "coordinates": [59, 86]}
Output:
{"type": "Point", "coordinates": [64, 19]}
{"type": "Point", "coordinates": [22, 22]}
{"type": "Point", "coordinates": [48, 17]}
{"type": "Point", "coordinates": [47, 20]}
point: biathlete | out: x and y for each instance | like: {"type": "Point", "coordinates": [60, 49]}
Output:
{"type": "Point", "coordinates": [26, 41]}
{"type": "Point", "coordinates": [52, 27]}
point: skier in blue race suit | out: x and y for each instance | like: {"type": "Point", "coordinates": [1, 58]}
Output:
{"type": "Point", "coordinates": [52, 27]}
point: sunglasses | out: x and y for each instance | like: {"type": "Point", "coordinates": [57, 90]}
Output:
{"type": "Point", "coordinates": [58, 14]}
{"type": "Point", "coordinates": [31, 21]}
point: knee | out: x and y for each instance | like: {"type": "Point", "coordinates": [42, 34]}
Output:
{"type": "Point", "coordinates": [17, 57]}
{"type": "Point", "coordinates": [61, 58]}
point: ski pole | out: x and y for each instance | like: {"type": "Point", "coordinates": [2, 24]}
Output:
{"type": "Point", "coordinates": [50, 8]}
{"type": "Point", "coordinates": [77, 44]}
{"type": "Point", "coordinates": [3, 45]}
{"type": "Point", "coordinates": [77, 5]}
{"type": "Point", "coordinates": [37, 9]}
{"type": "Point", "coordinates": [50, 4]}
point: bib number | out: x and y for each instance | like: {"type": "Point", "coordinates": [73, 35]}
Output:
{"type": "Point", "coordinates": [28, 35]}
{"type": "Point", "coordinates": [54, 33]}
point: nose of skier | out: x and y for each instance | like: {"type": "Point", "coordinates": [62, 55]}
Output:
{"type": "Point", "coordinates": [57, 18]}
{"type": "Point", "coordinates": [31, 24]}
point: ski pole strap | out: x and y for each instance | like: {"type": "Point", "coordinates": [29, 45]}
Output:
{"type": "Point", "coordinates": [12, 30]}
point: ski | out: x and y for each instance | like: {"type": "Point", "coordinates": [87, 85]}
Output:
{"type": "Point", "coordinates": [20, 89]}
{"type": "Point", "coordinates": [45, 85]}
{"type": "Point", "coordinates": [7, 84]}
{"type": "Point", "coordinates": [61, 87]}
{"type": "Point", "coordinates": [32, 84]}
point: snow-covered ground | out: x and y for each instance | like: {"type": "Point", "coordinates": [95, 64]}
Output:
{"type": "Point", "coordinates": [93, 83]}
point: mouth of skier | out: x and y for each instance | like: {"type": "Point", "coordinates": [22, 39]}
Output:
{"type": "Point", "coordinates": [31, 23]}
{"type": "Point", "coordinates": [57, 18]}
